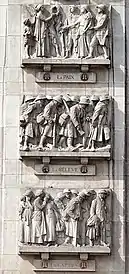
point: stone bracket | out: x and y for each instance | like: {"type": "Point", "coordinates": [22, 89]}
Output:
{"type": "Point", "coordinates": [44, 259]}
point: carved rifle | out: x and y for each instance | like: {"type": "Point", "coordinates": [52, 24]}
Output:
{"type": "Point", "coordinates": [54, 131]}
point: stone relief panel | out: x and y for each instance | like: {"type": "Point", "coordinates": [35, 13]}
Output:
{"type": "Point", "coordinates": [65, 123]}
{"type": "Point", "coordinates": [66, 31]}
{"type": "Point", "coordinates": [68, 218]}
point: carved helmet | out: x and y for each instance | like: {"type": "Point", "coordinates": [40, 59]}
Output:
{"type": "Point", "coordinates": [75, 191]}
{"type": "Point", "coordinates": [66, 190]}
{"type": "Point", "coordinates": [94, 98]}
{"type": "Point", "coordinates": [58, 99]}
{"type": "Point", "coordinates": [104, 191]}
{"type": "Point", "coordinates": [75, 99]}
{"type": "Point", "coordinates": [84, 100]}
{"type": "Point", "coordinates": [67, 98]}
{"type": "Point", "coordinates": [102, 7]}
{"type": "Point", "coordinates": [104, 98]}
{"type": "Point", "coordinates": [29, 98]}
{"type": "Point", "coordinates": [40, 97]}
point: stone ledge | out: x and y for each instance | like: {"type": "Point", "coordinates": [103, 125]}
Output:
{"type": "Point", "coordinates": [63, 154]}
{"type": "Point", "coordinates": [69, 62]}
{"type": "Point", "coordinates": [95, 250]}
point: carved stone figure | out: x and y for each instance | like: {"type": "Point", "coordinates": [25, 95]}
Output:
{"type": "Point", "coordinates": [77, 114]}
{"type": "Point", "coordinates": [65, 123]}
{"type": "Point", "coordinates": [29, 38]}
{"type": "Point", "coordinates": [68, 32]}
{"type": "Point", "coordinates": [70, 218]}
{"type": "Point", "coordinates": [52, 215]}
{"type": "Point", "coordinates": [97, 220]}
{"type": "Point", "coordinates": [85, 213]}
{"type": "Point", "coordinates": [85, 25]}
{"type": "Point", "coordinates": [101, 32]}
{"type": "Point", "coordinates": [38, 218]}
{"type": "Point", "coordinates": [71, 215]}
{"type": "Point", "coordinates": [50, 120]}
{"type": "Point", "coordinates": [25, 214]}
{"type": "Point", "coordinates": [100, 131]}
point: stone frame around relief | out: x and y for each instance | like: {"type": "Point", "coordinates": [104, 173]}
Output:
{"type": "Point", "coordinates": [30, 11]}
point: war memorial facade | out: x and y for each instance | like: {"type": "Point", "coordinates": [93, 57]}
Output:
{"type": "Point", "coordinates": [64, 137]}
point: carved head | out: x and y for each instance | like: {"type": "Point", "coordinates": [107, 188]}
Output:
{"type": "Point", "coordinates": [105, 98]}
{"type": "Point", "coordinates": [67, 193]}
{"type": "Point", "coordinates": [103, 193]}
{"type": "Point", "coordinates": [101, 8]}
{"type": "Point", "coordinates": [27, 22]}
{"type": "Point", "coordinates": [84, 9]}
{"type": "Point", "coordinates": [54, 9]}
{"type": "Point", "coordinates": [39, 193]}
{"type": "Point", "coordinates": [58, 99]}
{"type": "Point", "coordinates": [39, 7]}
{"type": "Point", "coordinates": [94, 99]}
{"type": "Point", "coordinates": [84, 101]}
{"type": "Point", "coordinates": [72, 9]}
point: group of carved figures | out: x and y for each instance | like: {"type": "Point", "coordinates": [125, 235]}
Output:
{"type": "Point", "coordinates": [66, 123]}
{"type": "Point", "coordinates": [72, 217]}
{"type": "Point", "coordinates": [82, 36]}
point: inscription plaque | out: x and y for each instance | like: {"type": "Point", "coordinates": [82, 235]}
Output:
{"type": "Point", "coordinates": [66, 170]}
{"type": "Point", "coordinates": [66, 77]}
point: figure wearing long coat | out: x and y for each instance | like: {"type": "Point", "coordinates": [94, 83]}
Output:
{"type": "Point", "coordinates": [72, 214]}
{"type": "Point", "coordinates": [97, 220]}
{"type": "Point", "coordinates": [49, 114]}
{"type": "Point", "coordinates": [38, 221]}
{"type": "Point", "coordinates": [85, 213]}
{"type": "Point", "coordinates": [100, 131]}
{"type": "Point", "coordinates": [85, 24]}
{"type": "Point", "coordinates": [25, 213]}
{"type": "Point", "coordinates": [51, 220]}
{"type": "Point", "coordinates": [76, 119]}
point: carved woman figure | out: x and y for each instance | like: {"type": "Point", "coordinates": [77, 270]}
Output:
{"type": "Point", "coordinates": [25, 214]}
{"type": "Point", "coordinates": [38, 218]}
{"type": "Point", "coordinates": [51, 216]}
{"type": "Point", "coordinates": [39, 32]}
{"type": "Point", "coordinates": [85, 26]}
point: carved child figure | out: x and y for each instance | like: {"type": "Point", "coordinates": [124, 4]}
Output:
{"type": "Point", "coordinates": [28, 38]}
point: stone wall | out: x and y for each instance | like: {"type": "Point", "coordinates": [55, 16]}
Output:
{"type": "Point", "coordinates": [15, 175]}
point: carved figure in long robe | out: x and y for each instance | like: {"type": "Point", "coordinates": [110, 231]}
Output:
{"type": "Point", "coordinates": [51, 217]}
{"type": "Point", "coordinates": [97, 220]}
{"type": "Point", "coordinates": [100, 131]}
{"type": "Point", "coordinates": [85, 25]}
{"type": "Point", "coordinates": [25, 213]}
{"type": "Point", "coordinates": [85, 213]}
{"type": "Point", "coordinates": [38, 218]}
{"type": "Point", "coordinates": [71, 216]}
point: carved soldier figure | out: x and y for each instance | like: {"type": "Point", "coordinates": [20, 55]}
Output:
{"type": "Point", "coordinates": [64, 121]}
{"type": "Point", "coordinates": [29, 38]}
{"type": "Point", "coordinates": [77, 114]}
{"type": "Point", "coordinates": [85, 213]}
{"type": "Point", "coordinates": [38, 218]}
{"type": "Point", "coordinates": [100, 131]}
{"type": "Point", "coordinates": [49, 116]}
{"type": "Point", "coordinates": [97, 220]}
{"type": "Point", "coordinates": [25, 213]}
{"type": "Point", "coordinates": [24, 138]}
{"type": "Point", "coordinates": [71, 217]}
{"type": "Point", "coordinates": [101, 32]}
